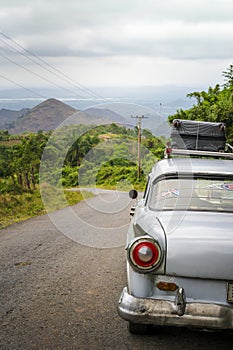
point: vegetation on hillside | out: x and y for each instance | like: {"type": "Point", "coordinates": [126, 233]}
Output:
{"type": "Point", "coordinates": [103, 156]}
{"type": "Point", "coordinates": [80, 155]}
{"type": "Point", "coordinates": [213, 105]}
{"type": "Point", "coordinates": [109, 152]}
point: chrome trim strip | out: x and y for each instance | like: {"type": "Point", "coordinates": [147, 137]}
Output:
{"type": "Point", "coordinates": [189, 152]}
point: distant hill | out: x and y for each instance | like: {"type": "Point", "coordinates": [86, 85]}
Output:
{"type": "Point", "coordinates": [154, 120]}
{"type": "Point", "coordinates": [49, 114]}
{"type": "Point", "coordinates": [96, 116]}
{"type": "Point", "coordinates": [45, 116]}
{"type": "Point", "coordinates": [8, 116]}
{"type": "Point", "coordinates": [105, 114]}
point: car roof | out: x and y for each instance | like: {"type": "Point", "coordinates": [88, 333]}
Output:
{"type": "Point", "coordinates": [193, 166]}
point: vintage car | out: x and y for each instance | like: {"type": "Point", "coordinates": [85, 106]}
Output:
{"type": "Point", "coordinates": [180, 246]}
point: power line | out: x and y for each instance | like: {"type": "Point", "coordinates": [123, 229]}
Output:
{"type": "Point", "coordinates": [36, 62]}
{"type": "Point", "coordinates": [32, 60]}
{"type": "Point", "coordinates": [44, 62]}
{"type": "Point", "coordinates": [54, 70]}
{"type": "Point", "coordinates": [21, 86]}
{"type": "Point", "coordinates": [36, 74]}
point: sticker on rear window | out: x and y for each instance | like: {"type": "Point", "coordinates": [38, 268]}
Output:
{"type": "Point", "coordinates": [170, 193]}
{"type": "Point", "coordinates": [228, 187]}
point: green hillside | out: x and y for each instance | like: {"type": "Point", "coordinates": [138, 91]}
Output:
{"type": "Point", "coordinates": [103, 156]}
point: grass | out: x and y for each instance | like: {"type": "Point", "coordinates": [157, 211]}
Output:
{"type": "Point", "coordinates": [120, 187]}
{"type": "Point", "coordinates": [19, 207]}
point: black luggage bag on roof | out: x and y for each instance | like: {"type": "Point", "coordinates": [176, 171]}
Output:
{"type": "Point", "coordinates": [195, 135]}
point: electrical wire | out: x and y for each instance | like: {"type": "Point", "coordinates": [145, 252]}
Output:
{"type": "Point", "coordinates": [38, 75]}
{"type": "Point", "coordinates": [37, 63]}
{"type": "Point", "coordinates": [45, 65]}
{"type": "Point", "coordinates": [21, 86]}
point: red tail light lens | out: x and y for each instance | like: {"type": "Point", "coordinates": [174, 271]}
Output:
{"type": "Point", "coordinates": [144, 254]}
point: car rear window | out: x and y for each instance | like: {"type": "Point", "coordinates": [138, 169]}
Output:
{"type": "Point", "coordinates": [192, 194]}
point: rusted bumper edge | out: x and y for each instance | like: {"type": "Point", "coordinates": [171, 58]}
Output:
{"type": "Point", "coordinates": [164, 313]}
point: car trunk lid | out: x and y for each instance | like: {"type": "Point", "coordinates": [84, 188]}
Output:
{"type": "Point", "coordinates": [199, 244]}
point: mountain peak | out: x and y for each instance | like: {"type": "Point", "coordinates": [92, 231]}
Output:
{"type": "Point", "coordinates": [53, 103]}
{"type": "Point", "coordinates": [45, 116]}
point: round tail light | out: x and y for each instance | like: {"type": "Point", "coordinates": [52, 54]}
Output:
{"type": "Point", "coordinates": [144, 254]}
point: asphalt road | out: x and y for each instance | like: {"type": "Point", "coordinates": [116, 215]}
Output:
{"type": "Point", "coordinates": [58, 293]}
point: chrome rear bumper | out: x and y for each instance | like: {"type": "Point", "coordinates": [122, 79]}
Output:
{"type": "Point", "coordinates": [165, 313]}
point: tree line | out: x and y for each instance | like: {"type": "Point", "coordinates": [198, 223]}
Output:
{"type": "Point", "coordinates": [100, 154]}
{"type": "Point", "coordinates": [19, 163]}
{"type": "Point", "coordinates": [213, 105]}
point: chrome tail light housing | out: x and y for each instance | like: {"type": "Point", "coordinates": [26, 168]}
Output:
{"type": "Point", "coordinates": [144, 254]}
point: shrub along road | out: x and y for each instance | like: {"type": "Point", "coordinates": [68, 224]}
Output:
{"type": "Point", "coordinates": [59, 294]}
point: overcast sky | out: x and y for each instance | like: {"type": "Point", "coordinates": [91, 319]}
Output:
{"type": "Point", "coordinates": [116, 42]}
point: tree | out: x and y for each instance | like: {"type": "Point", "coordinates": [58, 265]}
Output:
{"type": "Point", "coordinates": [213, 105]}
{"type": "Point", "coordinates": [26, 159]}
{"type": "Point", "coordinates": [228, 75]}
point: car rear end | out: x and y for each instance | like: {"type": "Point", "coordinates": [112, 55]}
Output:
{"type": "Point", "coordinates": [179, 262]}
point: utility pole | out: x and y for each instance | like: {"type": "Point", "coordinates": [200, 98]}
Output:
{"type": "Point", "coordinates": [160, 112]}
{"type": "Point", "coordinates": [139, 141]}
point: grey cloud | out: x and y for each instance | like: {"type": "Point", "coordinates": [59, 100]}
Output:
{"type": "Point", "coordinates": [101, 27]}
{"type": "Point", "coordinates": [182, 42]}
{"type": "Point", "coordinates": [34, 16]}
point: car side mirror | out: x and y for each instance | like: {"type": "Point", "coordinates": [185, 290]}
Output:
{"type": "Point", "coordinates": [133, 194]}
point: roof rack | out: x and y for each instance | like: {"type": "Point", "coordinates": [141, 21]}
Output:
{"type": "Point", "coordinates": [169, 152]}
